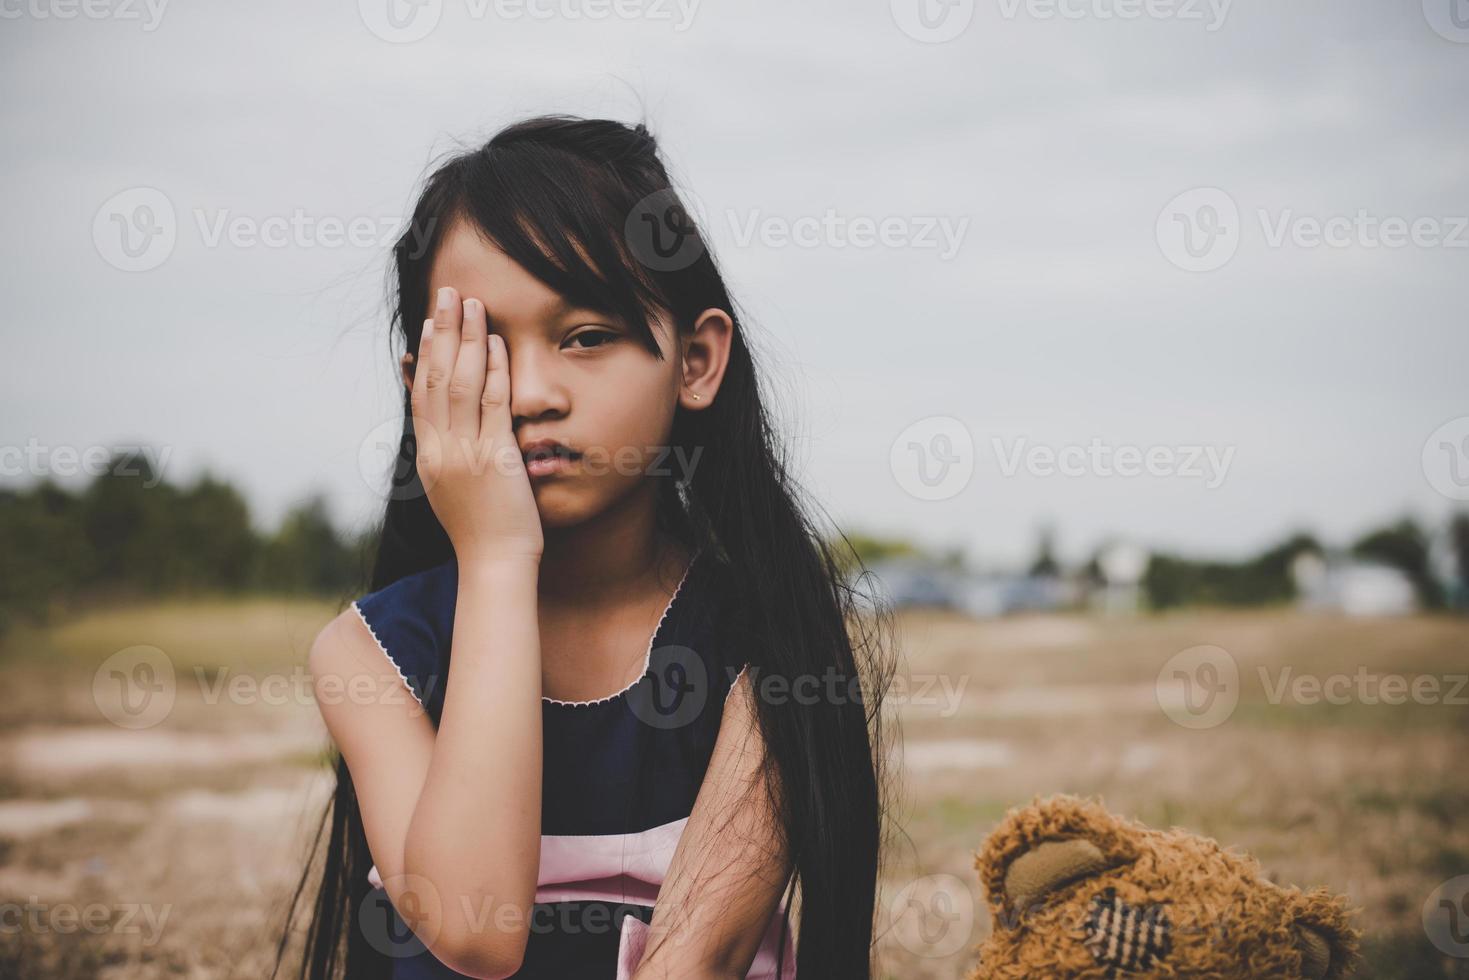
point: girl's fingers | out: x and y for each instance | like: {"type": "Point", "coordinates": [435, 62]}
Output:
{"type": "Point", "coordinates": [441, 355]}
{"type": "Point", "coordinates": [419, 390]}
{"type": "Point", "coordinates": [494, 405]}
{"type": "Point", "coordinates": [468, 379]}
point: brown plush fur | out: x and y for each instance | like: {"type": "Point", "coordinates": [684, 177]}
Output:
{"type": "Point", "coordinates": [1224, 921]}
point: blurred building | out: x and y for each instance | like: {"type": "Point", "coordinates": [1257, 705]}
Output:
{"type": "Point", "coordinates": [1336, 583]}
{"type": "Point", "coordinates": [911, 581]}
{"type": "Point", "coordinates": [919, 582]}
{"type": "Point", "coordinates": [1122, 566]}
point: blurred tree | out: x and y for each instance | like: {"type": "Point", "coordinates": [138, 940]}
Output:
{"type": "Point", "coordinates": [1045, 557]}
{"type": "Point", "coordinates": [1459, 542]}
{"type": "Point", "coordinates": [307, 555]}
{"type": "Point", "coordinates": [44, 551]}
{"type": "Point", "coordinates": [1171, 581]}
{"type": "Point", "coordinates": [1403, 546]}
{"type": "Point", "coordinates": [212, 546]}
{"type": "Point", "coordinates": [871, 549]}
{"type": "Point", "coordinates": [122, 513]}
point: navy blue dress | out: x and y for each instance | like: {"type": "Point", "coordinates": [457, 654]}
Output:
{"type": "Point", "coordinates": [619, 781]}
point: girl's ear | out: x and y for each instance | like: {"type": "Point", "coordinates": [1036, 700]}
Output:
{"type": "Point", "coordinates": [407, 365]}
{"type": "Point", "coordinates": [705, 356]}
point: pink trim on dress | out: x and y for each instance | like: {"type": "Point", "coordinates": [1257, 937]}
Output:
{"type": "Point", "coordinates": [629, 868]}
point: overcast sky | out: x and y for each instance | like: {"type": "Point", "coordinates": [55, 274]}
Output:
{"type": "Point", "coordinates": [1039, 285]}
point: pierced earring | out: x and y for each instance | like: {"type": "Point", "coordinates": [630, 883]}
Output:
{"type": "Point", "coordinates": [697, 396]}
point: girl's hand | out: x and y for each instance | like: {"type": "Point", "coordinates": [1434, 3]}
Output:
{"type": "Point", "coordinates": [468, 459]}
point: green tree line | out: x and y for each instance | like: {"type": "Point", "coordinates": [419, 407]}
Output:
{"type": "Point", "coordinates": [129, 534]}
{"type": "Point", "coordinates": [1172, 581]}
{"type": "Point", "coordinates": [1266, 578]}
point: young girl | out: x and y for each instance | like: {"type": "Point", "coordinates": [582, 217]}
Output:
{"type": "Point", "coordinates": [601, 715]}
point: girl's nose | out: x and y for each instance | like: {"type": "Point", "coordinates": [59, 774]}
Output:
{"type": "Point", "coordinates": [535, 389]}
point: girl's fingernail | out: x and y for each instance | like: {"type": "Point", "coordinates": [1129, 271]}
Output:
{"type": "Point", "coordinates": [446, 299]}
{"type": "Point", "coordinates": [469, 307]}
{"type": "Point", "coordinates": [428, 326]}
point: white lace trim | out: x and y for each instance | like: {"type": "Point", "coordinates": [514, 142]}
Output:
{"type": "Point", "coordinates": [647, 657]}
{"type": "Point", "coordinates": [386, 653]}
{"type": "Point", "coordinates": [735, 680]}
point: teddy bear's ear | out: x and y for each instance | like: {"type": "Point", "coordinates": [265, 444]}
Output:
{"type": "Point", "coordinates": [1315, 953]}
{"type": "Point", "coordinates": [1324, 933]}
{"type": "Point", "coordinates": [1048, 866]}
{"type": "Point", "coordinates": [1048, 844]}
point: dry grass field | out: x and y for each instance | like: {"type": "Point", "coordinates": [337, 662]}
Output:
{"type": "Point", "coordinates": [169, 850]}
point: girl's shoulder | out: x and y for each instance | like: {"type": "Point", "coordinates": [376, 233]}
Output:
{"type": "Point", "coordinates": [412, 621]}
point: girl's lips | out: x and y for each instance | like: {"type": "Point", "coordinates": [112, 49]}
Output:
{"type": "Point", "coordinates": [539, 465]}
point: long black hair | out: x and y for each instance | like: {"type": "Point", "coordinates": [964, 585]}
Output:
{"type": "Point", "coordinates": [586, 206]}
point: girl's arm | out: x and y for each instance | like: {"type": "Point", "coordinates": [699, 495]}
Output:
{"type": "Point", "coordinates": [453, 821]}
{"type": "Point", "coordinates": [477, 830]}
{"type": "Point", "coordinates": [455, 816]}
{"type": "Point", "coordinates": [727, 873]}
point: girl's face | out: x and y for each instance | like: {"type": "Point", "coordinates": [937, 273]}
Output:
{"type": "Point", "coordinates": [577, 376]}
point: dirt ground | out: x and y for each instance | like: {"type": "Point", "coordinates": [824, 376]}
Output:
{"type": "Point", "coordinates": [162, 837]}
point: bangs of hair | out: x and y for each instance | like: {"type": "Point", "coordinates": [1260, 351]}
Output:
{"type": "Point", "coordinates": [563, 220]}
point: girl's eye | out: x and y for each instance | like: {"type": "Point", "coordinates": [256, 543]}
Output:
{"type": "Point", "coordinates": [594, 338]}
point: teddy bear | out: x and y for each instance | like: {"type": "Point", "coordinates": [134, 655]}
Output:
{"type": "Point", "coordinates": [1077, 893]}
